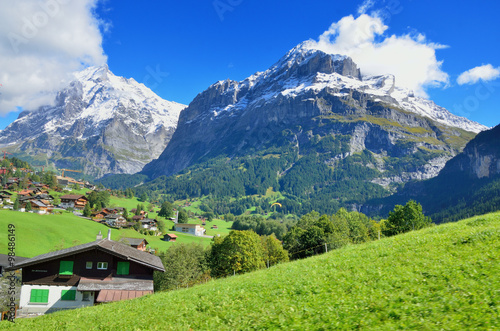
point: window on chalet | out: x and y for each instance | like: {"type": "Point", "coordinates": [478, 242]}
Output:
{"type": "Point", "coordinates": [66, 268]}
{"type": "Point", "coordinates": [88, 265]}
{"type": "Point", "coordinates": [39, 296]}
{"type": "Point", "coordinates": [185, 229]}
{"type": "Point", "coordinates": [102, 265]}
{"type": "Point", "coordinates": [86, 296]}
{"type": "Point", "coordinates": [68, 295]}
{"type": "Point", "coordinates": [122, 268]}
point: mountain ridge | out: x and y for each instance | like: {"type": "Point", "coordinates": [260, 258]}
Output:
{"type": "Point", "coordinates": [100, 123]}
{"type": "Point", "coordinates": [303, 73]}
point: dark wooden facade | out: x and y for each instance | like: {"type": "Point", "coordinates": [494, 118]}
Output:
{"type": "Point", "coordinates": [47, 273]}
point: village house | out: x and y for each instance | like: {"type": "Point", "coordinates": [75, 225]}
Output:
{"type": "Point", "coordinates": [44, 197]}
{"type": "Point", "coordinates": [5, 197]}
{"type": "Point", "coordinates": [138, 218]}
{"type": "Point", "coordinates": [194, 229]}
{"type": "Point", "coordinates": [97, 272]}
{"type": "Point", "coordinates": [76, 201]}
{"type": "Point", "coordinates": [41, 207]}
{"type": "Point", "coordinates": [142, 212]}
{"type": "Point", "coordinates": [137, 243]}
{"type": "Point", "coordinates": [149, 224]}
{"type": "Point", "coordinates": [68, 181]}
{"type": "Point", "coordinates": [116, 220]}
{"type": "Point", "coordinates": [169, 237]}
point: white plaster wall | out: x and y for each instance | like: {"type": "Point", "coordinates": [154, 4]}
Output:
{"type": "Point", "coordinates": [55, 301]}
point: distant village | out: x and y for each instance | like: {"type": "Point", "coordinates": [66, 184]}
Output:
{"type": "Point", "coordinates": [35, 198]}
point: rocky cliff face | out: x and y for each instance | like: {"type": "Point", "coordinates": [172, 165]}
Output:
{"type": "Point", "coordinates": [318, 99]}
{"type": "Point", "coordinates": [101, 124]}
{"type": "Point", "coordinates": [479, 159]}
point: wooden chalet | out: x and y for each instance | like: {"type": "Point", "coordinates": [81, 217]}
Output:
{"type": "Point", "coordinates": [5, 197]}
{"type": "Point", "coordinates": [149, 224]}
{"type": "Point", "coordinates": [137, 243]}
{"type": "Point", "coordinates": [138, 218]}
{"type": "Point", "coordinates": [169, 237]}
{"type": "Point", "coordinates": [84, 275]}
{"type": "Point", "coordinates": [41, 207]}
{"type": "Point", "coordinates": [76, 201]}
{"type": "Point", "coordinates": [116, 220]}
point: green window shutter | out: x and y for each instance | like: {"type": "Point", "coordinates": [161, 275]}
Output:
{"type": "Point", "coordinates": [68, 295]}
{"type": "Point", "coordinates": [122, 268]}
{"type": "Point", "coordinates": [66, 268]}
{"type": "Point", "coordinates": [39, 296]}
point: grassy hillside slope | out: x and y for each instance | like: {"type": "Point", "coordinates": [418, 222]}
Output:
{"type": "Point", "coordinates": [446, 277]}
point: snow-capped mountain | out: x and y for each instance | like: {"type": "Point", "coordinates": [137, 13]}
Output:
{"type": "Point", "coordinates": [339, 73]}
{"type": "Point", "coordinates": [311, 95]}
{"type": "Point", "coordinates": [101, 123]}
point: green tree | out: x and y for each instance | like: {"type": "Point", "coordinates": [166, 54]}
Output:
{"type": "Point", "coordinates": [183, 216]}
{"type": "Point", "coordinates": [87, 212]}
{"type": "Point", "coordinates": [229, 217]}
{"type": "Point", "coordinates": [273, 250]}
{"type": "Point", "coordinates": [28, 207]}
{"type": "Point", "coordinates": [209, 216]}
{"type": "Point", "coordinates": [56, 201]}
{"type": "Point", "coordinates": [16, 204]}
{"type": "Point", "coordinates": [125, 214]}
{"type": "Point", "coordinates": [144, 197]}
{"type": "Point", "coordinates": [406, 218]}
{"type": "Point", "coordinates": [185, 265]}
{"type": "Point", "coordinates": [166, 210]}
{"type": "Point", "coordinates": [97, 199]}
{"type": "Point", "coordinates": [238, 252]}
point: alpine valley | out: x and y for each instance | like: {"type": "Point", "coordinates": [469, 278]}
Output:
{"type": "Point", "coordinates": [311, 127]}
{"type": "Point", "coordinates": [101, 124]}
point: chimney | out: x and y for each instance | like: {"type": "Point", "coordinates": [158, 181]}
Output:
{"type": "Point", "coordinates": [99, 236]}
{"type": "Point", "coordinates": [109, 234]}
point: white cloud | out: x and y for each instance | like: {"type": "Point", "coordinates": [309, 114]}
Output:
{"type": "Point", "coordinates": [42, 43]}
{"type": "Point", "coordinates": [365, 6]}
{"type": "Point", "coordinates": [485, 72]}
{"type": "Point", "coordinates": [410, 58]}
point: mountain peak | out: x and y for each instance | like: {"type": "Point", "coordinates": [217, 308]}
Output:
{"type": "Point", "coordinates": [120, 123]}
{"type": "Point", "coordinates": [93, 73]}
{"type": "Point", "coordinates": [304, 59]}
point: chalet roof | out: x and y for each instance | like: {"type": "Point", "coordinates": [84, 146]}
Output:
{"type": "Point", "coordinates": [171, 235]}
{"type": "Point", "coordinates": [73, 197]}
{"type": "Point", "coordinates": [37, 203]}
{"type": "Point", "coordinates": [116, 283]}
{"type": "Point", "coordinates": [148, 220]}
{"type": "Point", "coordinates": [5, 193]}
{"type": "Point", "coordinates": [118, 295]}
{"type": "Point", "coordinates": [109, 246]}
{"type": "Point", "coordinates": [138, 217]}
{"type": "Point", "coordinates": [113, 216]}
{"type": "Point", "coordinates": [185, 225]}
{"type": "Point", "coordinates": [133, 241]}
{"type": "Point", "coordinates": [4, 260]}
{"type": "Point", "coordinates": [44, 196]}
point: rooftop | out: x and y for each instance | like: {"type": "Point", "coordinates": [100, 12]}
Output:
{"type": "Point", "coordinates": [112, 247]}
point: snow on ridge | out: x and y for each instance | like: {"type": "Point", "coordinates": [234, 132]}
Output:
{"type": "Point", "coordinates": [105, 93]}
{"type": "Point", "coordinates": [381, 87]}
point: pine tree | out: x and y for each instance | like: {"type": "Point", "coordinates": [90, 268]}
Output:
{"type": "Point", "coordinates": [87, 212]}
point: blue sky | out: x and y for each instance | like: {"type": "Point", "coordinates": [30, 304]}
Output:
{"type": "Point", "coordinates": [179, 48]}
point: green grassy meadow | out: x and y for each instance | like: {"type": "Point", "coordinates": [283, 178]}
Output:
{"type": "Point", "coordinates": [441, 278]}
